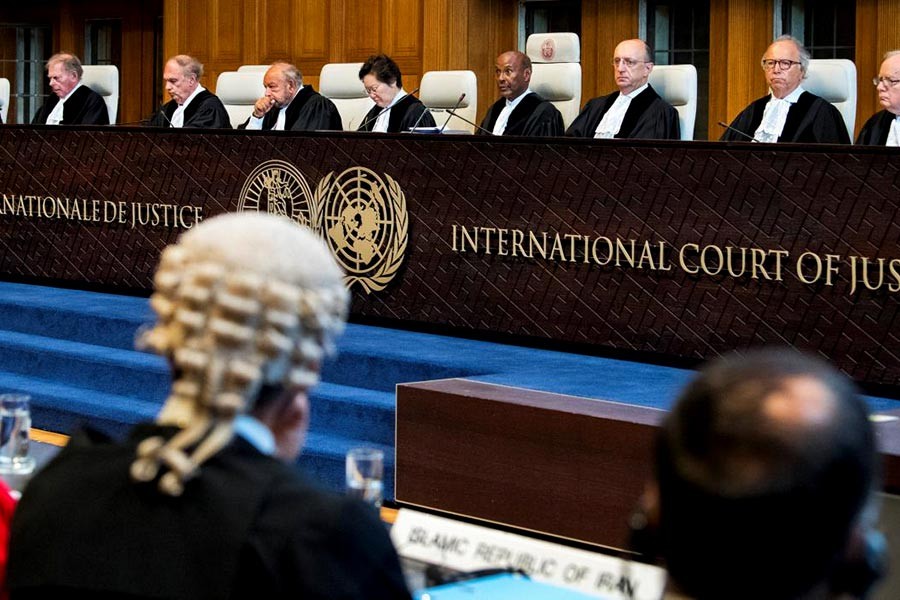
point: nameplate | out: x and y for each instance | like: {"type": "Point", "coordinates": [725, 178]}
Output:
{"type": "Point", "coordinates": [466, 547]}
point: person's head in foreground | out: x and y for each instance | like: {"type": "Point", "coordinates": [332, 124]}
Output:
{"type": "Point", "coordinates": [248, 306]}
{"type": "Point", "coordinates": [766, 468]}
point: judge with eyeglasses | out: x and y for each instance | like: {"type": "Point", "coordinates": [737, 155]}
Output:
{"type": "Point", "coordinates": [635, 110]}
{"type": "Point", "coordinates": [883, 128]}
{"type": "Point", "coordinates": [789, 113]}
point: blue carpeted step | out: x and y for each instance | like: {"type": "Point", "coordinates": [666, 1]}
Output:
{"type": "Point", "coordinates": [353, 412]}
{"type": "Point", "coordinates": [88, 317]}
{"type": "Point", "coordinates": [383, 368]}
{"type": "Point", "coordinates": [109, 370]}
{"type": "Point", "coordinates": [323, 460]}
{"type": "Point", "coordinates": [58, 407]}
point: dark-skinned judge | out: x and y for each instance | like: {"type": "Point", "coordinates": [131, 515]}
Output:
{"type": "Point", "coordinates": [192, 105]}
{"type": "Point", "coordinates": [883, 128]}
{"type": "Point", "coordinates": [635, 110]}
{"type": "Point", "coordinates": [289, 105]}
{"type": "Point", "coordinates": [789, 113]}
{"type": "Point", "coordinates": [394, 109]}
{"type": "Point", "coordinates": [520, 111]}
{"type": "Point", "coordinates": [72, 102]}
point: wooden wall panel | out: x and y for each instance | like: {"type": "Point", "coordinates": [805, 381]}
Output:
{"type": "Point", "coordinates": [227, 36]}
{"type": "Point", "coordinates": [740, 32]}
{"type": "Point", "coordinates": [362, 30]}
{"type": "Point", "coordinates": [603, 26]}
{"type": "Point", "coordinates": [275, 31]}
{"type": "Point", "coordinates": [877, 32]}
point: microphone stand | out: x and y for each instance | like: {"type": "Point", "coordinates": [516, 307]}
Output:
{"type": "Point", "coordinates": [451, 111]}
{"type": "Point", "coordinates": [476, 125]}
{"type": "Point", "coordinates": [738, 131]}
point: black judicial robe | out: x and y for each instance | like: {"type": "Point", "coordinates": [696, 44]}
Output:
{"type": "Point", "coordinates": [308, 111]}
{"type": "Point", "coordinates": [248, 526]}
{"type": "Point", "coordinates": [205, 111]}
{"type": "Point", "coordinates": [84, 107]}
{"type": "Point", "coordinates": [811, 120]}
{"type": "Point", "coordinates": [875, 131]}
{"type": "Point", "coordinates": [648, 117]}
{"type": "Point", "coordinates": [533, 116]}
{"type": "Point", "coordinates": [404, 114]}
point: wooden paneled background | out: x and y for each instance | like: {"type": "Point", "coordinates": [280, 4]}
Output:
{"type": "Point", "coordinates": [424, 35]}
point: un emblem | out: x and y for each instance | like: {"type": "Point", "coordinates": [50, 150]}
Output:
{"type": "Point", "coordinates": [279, 188]}
{"type": "Point", "coordinates": [365, 225]}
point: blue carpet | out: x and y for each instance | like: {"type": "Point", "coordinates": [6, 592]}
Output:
{"type": "Point", "coordinates": [72, 351]}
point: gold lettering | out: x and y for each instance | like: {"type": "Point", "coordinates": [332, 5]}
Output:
{"type": "Point", "coordinates": [683, 262]}
{"type": "Point", "coordinates": [473, 242]}
{"type": "Point", "coordinates": [541, 246]}
{"type": "Point", "coordinates": [720, 260]}
{"type": "Point", "coordinates": [501, 242]}
{"type": "Point", "coordinates": [892, 266]}
{"type": "Point", "coordinates": [609, 250]}
{"type": "Point", "coordinates": [818, 267]}
{"type": "Point", "coordinates": [663, 265]}
{"type": "Point", "coordinates": [518, 236]}
{"type": "Point", "coordinates": [557, 248]}
{"type": "Point", "coordinates": [621, 250]}
{"type": "Point", "coordinates": [646, 255]}
{"type": "Point", "coordinates": [487, 238]}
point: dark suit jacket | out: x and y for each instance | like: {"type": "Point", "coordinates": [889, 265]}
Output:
{"type": "Point", "coordinates": [84, 107]}
{"type": "Point", "coordinates": [404, 115]}
{"type": "Point", "coordinates": [308, 111]}
{"type": "Point", "coordinates": [811, 120]}
{"type": "Point", "coordinates": [648, 117]}
{"type": "Point", "coordinates": [533, 116]}
{"type": "Point", "coordinates": [248, 526]}
{"type": "Point", "coordinates": [205, 111]}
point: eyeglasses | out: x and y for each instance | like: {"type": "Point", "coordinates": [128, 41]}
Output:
{"type": "Point", "coordinates": [889, 82]}
{"type": "Point", "coordinates": [372, 89]}
{"type": "Point", "coordinates": [629, 62]}
{"type": "Point", "coordinates": [784, 64]}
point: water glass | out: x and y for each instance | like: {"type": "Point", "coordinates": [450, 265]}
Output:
{"type": "Point", "coordinates": [365, 474]}
{"type": "Point", "coordinates": [15, 423]}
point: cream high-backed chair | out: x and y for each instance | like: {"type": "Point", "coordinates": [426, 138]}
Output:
{"type": "Point", "coordinates": [253, 68]}
{"type": "Point", "coordinates": [677, 85]}
{"type": "Point", "coordinates": [4, 99]}
{"type": "Point", "coordinates": [339, 82]}
{"type": "Point", "coordinates": [440, 91]}
{"type": "Point", "coordinates": [104, 79]}
{"type": "Point", "coordinates": [834, 79]}
{"type": "Point", "coordinates": [556, 70]}
{"type": "Point", "coordinates": [239, 91]}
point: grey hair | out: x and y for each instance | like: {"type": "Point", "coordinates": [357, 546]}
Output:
{"type": "Point", "coordinates": [189, 65]}
{"type": "Point", "coordinates": [290, 72]}
{"type": "Point", "coordinates": [69, 62]}
{"type": "Point", "coordinates": [801, 49]}
{"type": "Point", "coordinates": [891, 54]}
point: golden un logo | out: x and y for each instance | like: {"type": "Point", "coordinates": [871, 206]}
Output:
{"type": "Point", "coordinates": [361, 216]}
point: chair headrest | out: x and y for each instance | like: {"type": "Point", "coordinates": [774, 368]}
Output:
{"type": "Point", "coordinates": [103, 79]}
{"type": "Point", "coordinates": [831, 78]}
{"type": "Point", "coordinates": [341, 80]}
{"type": "Point", "coordinates": [676, 84]}
{"type": "Point", "coordinates": [557, 83]}
{"type": "Point", "coordinates": [441, 89]}
{"type": "Point", "coordinates": [253, 68]}
{"type": "Point", "coordinates": [4, 91]}
{"type": "Point", "coordinates": [240, 87]}
{"type": "Point", "coordinates": [553, 48]}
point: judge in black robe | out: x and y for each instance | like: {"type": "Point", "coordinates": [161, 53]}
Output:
{"type": "Point", "coordinates": [308, 111]}
{"type": "Point", "coordinates": [205, 111]}
{"type": "Point", "coordinates": [875, 131]}
{"type": "Point", "coordinates": [304, 108]}
{"type": "Point", "coordinates": [648, 117]}
{"type": "Point", "coordinates": [383, 81]}
{"type": "Point", "coordinates": [532, 116]}
{"type": "Point", "coordinates": [408, 112]}
{"type": "Point", "coordinates": [810, 120]}
{"type": "Point", "coordinates": [83, 107]}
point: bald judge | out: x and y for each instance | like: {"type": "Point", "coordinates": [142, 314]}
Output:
{"type": "Point", "coordinates": [635, 110]}
{"type": "Point", "coordinates": [883, 128]}
{"type": "Point", "coordinates": [289, 105]}
{"type": "Point", "coordinates": [520, 111]}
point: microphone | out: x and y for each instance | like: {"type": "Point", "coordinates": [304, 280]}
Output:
{"type": "Point", "coordinates": [381, 112]}
{"type": "Point", "coordinates": [419, 120]}
{"type": "Point", "coordinates": [450, 116]}
{"type": "Point", "coordinates": [476, 125]}
{"type": "Point", "coordinates": [739, 132]}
